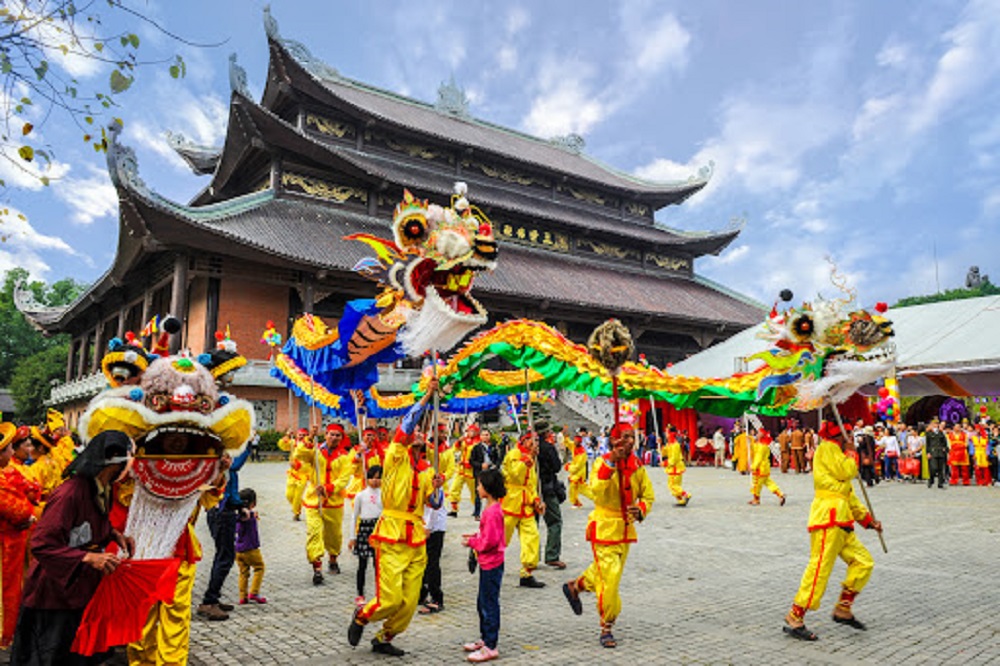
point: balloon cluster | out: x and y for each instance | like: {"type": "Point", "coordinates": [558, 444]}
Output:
{"type": "Point", "coordinates": [628, 412]}
{"type": "Point", "coordinates": [887, 407]}
{"type": "Point", "coordinates": [271, 337]}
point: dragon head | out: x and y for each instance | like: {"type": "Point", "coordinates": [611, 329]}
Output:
{"type": "Point", "coordinates": [429, 269]}
{"type": "Point", "coordinates": [824, 351]}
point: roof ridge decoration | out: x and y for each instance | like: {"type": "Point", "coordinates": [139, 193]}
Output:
{"type": "Point", "coordinates": [298, 50]}
{"type": "Point", "coordinates": [25, 302]}
{"type": "Point", "coordinates": [200, 158]}
{"type": "Point", "coordinates": [238, 77]}
{"type": "Point", "coordinates": [123, 166]}
{"type": "Point", "coordinates": [572, 142]}
{"type": "Point", "coordinates": [452, 99]}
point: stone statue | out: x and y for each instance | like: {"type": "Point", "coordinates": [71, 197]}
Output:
{"type": "Point", "coordinates": [973, 280]}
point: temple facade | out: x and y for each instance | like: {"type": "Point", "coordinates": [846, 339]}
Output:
{"type": "Point", "coordinates": [321, 156]}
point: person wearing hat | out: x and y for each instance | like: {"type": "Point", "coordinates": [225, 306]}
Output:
{"type": "Point", "coordinates": [937, 454]}
{"type": "Point", "coordinates": [522, 502]}
{"type": "Point", "coordinates": [577, 469]}
{"type": "Point", "coordinates": [760, 465]}
{"type": "Point", "coordinates": [409, 484]}
{"type": "Point", "coordinates": [553, 494]}
{"type": "Point", "coordinates": [834, 511]}
{"type": "Point", "coordinates": [673, 464]}
{"type": "Point", "coordinates": [53, 451]}
{"type": "Point", "coordinates": [68, 545]}
{"type": "Point", "coordinates": [19, 499]}
{"type": "Point", "coordinates": [300, 459]}
{"type": "Point", "coordinates": [464, 477]}
{"type": "Point", "coordinates": [364, 457]}
{"type": "Point", "coordinates": [958, 455]}
{"type": "Point", "coordinates": [327, 477]}
{"type": "Point", "coordinates": [623, 496]}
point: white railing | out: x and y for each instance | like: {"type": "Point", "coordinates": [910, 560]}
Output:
{"type": "Point", "coordinates": [599, 411]}
{"type": "Point", "coordinates": [77, 389]}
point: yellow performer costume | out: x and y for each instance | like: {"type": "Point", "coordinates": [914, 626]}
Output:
{"type": "Point", "coordinates": [577, 469]}
{"type": "Point", "coordinates": [520, 502]}
{"type": "Point", "coordinates": [399, 536]}
{"type": "Point", "coordinates": [761, 467]}
{"type": "Point", "coordinates": [623, 495]}
{"type": "Point", "coordinates": [167, 633]}
{"type": "Point", "coordinates": [365, 457]}
{"type": "Point", "coordinates": [831, 533]}
{"type": "Point", "coordinates": [673, 463]}
{"type": "Point", "coordinates": [739, 455]}
{"type": "Point", "coordinates": [299, 461]}
{"type": "Point", "coordinates": [323, 500]}
{"type": "Point", "coordinates": [464, 478]}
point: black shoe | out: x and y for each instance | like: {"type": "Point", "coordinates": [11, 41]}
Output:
{"type": "Point", "coordinates": [385, 647]}
{"type": "Point", "coordinates": [531, 581]}
{"type": "Point", "coordinates": [226, 607]}
{"type": "Point", "coordinates": [333, 567]}
{"type": "Point", "coordinates": [356, 629]}
{"type": "Point", "coordinates": [453, 514]}
{"type": "Point", "coordinates": [317, 577]}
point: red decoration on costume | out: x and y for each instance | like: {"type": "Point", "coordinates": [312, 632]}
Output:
{"type": "Point", "coordinates": [881, 307]}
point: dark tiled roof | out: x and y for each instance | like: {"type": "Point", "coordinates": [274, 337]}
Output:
{"type": "Point", "coordinates": [311, 233]}
{"type": "Point", "coordinates": [483, 192]}
{"type": "Point", "coordinates": [423, 118]}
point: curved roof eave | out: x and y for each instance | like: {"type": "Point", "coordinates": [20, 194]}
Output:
{"type": "Point", "coordinates": [497, 139]}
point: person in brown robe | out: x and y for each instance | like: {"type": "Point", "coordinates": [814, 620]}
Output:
{"type": "Point", "coordinates": [68, 545]}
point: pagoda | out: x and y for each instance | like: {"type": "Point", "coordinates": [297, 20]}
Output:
{"type": "Point", "coordinates": [321, 156]}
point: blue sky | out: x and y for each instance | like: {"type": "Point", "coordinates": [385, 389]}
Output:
{"type": "Point", "coordinates": [866, 131]}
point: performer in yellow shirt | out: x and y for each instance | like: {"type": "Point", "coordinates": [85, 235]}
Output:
{"type": "Point", "coordinates": [464, 478]}
{"type": "Point", "coordinates": [408, 485]}
{"type": "Point", "coordinates": [521, 503]}
{"type": "Point", "coordinates": [623, 496]}
{"type": "Point", "coordinates": [740, 453]}
{"type": "Point", "coordinates": [577, 468]}
{"type": "Point", "coordinates": [364, 457]}
{"type": "Point", "coordinates": [980, 441]}
{"type": "Point", "coordinates": [299, 461]}
{"type": "Point", "coordinates": [831, 534]}
{"type": "Point", "coordinates": [761, 467]}
{"type": "Point", "coordinates": [323, 500]}
{"type": "Point", "coordinates": [673, 463]}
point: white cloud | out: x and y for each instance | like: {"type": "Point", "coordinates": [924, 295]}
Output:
{"type": "Point", "coordinates": [662, 170]}
{"type": "Point", "coordinates": [517, 20]}
{"type": "Point", "coordinates": [201, 120]}
{"type": "Point", "coordinates": [969, 63]}
{"type": "Point", "coordinates": [23, 246]}
{"type": "Point", "coordinates": [566, 103]}
{"type": "Point", "coordinates": [653, 41]}
{"type": "Point", "coordinates": [507, 58]}
{"type": "Point", "coordinates": [90, 198]}
{"type": "Point", "coordinates": [894, 55]}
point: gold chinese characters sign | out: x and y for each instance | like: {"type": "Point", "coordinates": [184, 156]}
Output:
{"type": "Point", "coordinates": [527, 235]}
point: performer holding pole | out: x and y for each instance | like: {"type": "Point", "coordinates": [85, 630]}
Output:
{"type": "Point", "coordinates": [831, 532]}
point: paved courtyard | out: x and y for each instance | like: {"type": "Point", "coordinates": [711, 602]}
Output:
{"type": "Point", "coordinates": [707, 584]}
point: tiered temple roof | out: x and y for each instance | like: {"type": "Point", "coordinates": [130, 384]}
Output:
{"type": "Point", "coordinates": [322, 156]}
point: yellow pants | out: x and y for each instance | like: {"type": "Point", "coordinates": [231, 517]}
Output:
{"type": "Point", "coordinates": [459, 482]}
{"type": "Point", "coordinates": [247, 560]}
{"type": "Point", "coordinates": [826, 545]}
{"type": "Point", "coordinates": [293, 493]}
{"type": "Point", "coordinates": [399, 571]}
{"type": "Point", "coordinates": [324, 532]}
{"type": "Point", "coordinates": [603, 576]}
{"type": "Point", "coordinates": [764, 481]}
{"type": "Point", "coordinates": [576, 489]}
{"type": "Point", "coordinates": [674, 486]}
{"type": "Point", "coordinates": [168, 628]}
{"type": "Point", "coordinates": [527, 530]}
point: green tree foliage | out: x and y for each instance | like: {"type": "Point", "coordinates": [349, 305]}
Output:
{"type": "Point", "coordinates": [18, 340]}
{"type": "Point", "coordinates": [985, 289]}
{"type": "Point", "coordinates": [39, 41]}
{"type": "Point", "coordinates": [32, 381]}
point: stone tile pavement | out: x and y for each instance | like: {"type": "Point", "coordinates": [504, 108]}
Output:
{"type": "Point", "coordinates": [706, 584]}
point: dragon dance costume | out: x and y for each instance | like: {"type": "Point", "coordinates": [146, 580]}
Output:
{"type": "Point", "coordinates": [673, 463]}
{"type": "Point", "coordinates": [518, 505]}
{"type": "Point", "coordinates": [330, 471]}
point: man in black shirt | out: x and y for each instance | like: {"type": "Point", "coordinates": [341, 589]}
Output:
{"type": "Point", "coordinates": [548, 471]}
{"type": "Point", "coordinates": [937, 454]}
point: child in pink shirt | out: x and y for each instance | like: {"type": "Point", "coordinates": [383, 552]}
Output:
{"type": "Point", "coordinates": [489, 545]}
